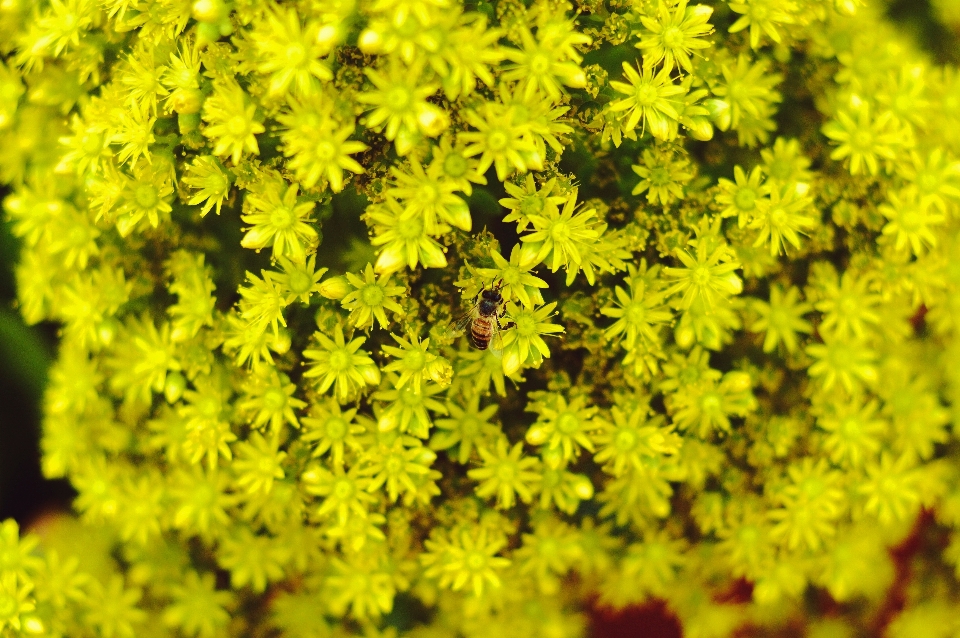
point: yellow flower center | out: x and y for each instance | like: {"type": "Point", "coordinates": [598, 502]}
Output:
{"type": "Point", "coordinates": [295, 54]}
{"type": "Point", "coordinates": [274, 399]}
{"type": "Point", "coordinates": [454, 165]}
{"type": "Point", "coordinates": [672, 37]}
{"type": "Point", "coordinates": [146, 196]}
{"type": "Point", "coordinates": [745, 199]}
{"type": "Point", "coordinates": [339, 360]}
{"type": "Point", "coordinates": [539, 64]}
{"type": "Point", "coordinates": [324, 151]}
{"type": "Point", "coordinates": [372, 295]}
{"type": "Point", "coordinates": [238, 126]}
{"type": "Point", "coordinates": [645, 95]}
{"type": "Point", "coordinates": [282, 217]}
{"type": "Point", "coordinates": [497, 140]}
{"type": "Point", "coordinates": [568, 423]}
{"type": "Point", "coordinates": [625, 440]}
{"type": "Point", "coordinates": [336, 428]}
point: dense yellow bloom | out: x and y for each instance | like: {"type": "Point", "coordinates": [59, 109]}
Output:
{"type": "Point", "coordinates": [749, 397]}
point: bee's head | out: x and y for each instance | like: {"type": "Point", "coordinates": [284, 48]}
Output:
{"type": "Point", "coordinates": [494, 293]}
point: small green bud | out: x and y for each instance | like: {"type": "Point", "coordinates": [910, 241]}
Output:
{"type": "Point", "coordinates": [207, 33]}
{"type": "Point", "coordinates": [188, 122]}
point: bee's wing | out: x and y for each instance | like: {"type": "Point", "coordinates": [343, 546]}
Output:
{"type": "Point", "coordinates": [461, 324]}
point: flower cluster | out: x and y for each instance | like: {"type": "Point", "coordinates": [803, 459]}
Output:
{"type": "Point", "coordinates": [714, 246]}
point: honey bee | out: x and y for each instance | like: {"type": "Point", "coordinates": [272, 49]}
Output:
{"type": "Point", "coordinates": [483, 320]}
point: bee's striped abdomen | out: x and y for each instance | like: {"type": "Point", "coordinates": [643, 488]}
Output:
{"type": "Point", "coordinates": [480, 332]}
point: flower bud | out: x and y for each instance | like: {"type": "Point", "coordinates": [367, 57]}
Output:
{"type": "Point", "coordinates": [432, 120]}
{"type": "Point", "coordinates": [173, 388]}
{"type": "Point", "coordinates": [370, 374]}
{"type": "Point", "coordinates": [188, 122]}
{"type": "Point", "coordinates": [210, 11]}
{"type": "Point", "coordinates": [737, 381]}
{"type": "Point", "coordinates": [719, 112]}
{"type": "Point", "coordinates": [529, 254]}
{"type": "Point", "coordinates": [186, 101]}
{"type": "Point", "coordinates": [699, 127]}
{"type": "Point", "coordinates": [387, 422]}
{"type": "Point", "coordinates": [327, 36]}
{"type": "Point", "coordinates": [370, 41]}
{"type": "Point", "coordinates": [537, 435]}
{"type": "Point", "coordinates": [391, 259]}
{"type": "Point", "coordinates": [576, 80]}
{"type": "Point", "coordinates": [660, 128]}
{"type": "Point", "coordinates": [335, 288]}
{"type": "Point", "coordinates": [702, 11]}
{"type": "Point", "coordinates": [583, 488]}
{"type": "Point", "coordinates": [460, 215]}
{"type": "Point", "coordinates": [107, 331]}
{"type": "Point", "coordinates": [533, 160]}
{"type": "Point", "coordinates": [431, 255]}
{"type": "Point", "coordinates": [732, 283]}
{"type": "Point", "coordinates": [511, 361]}
{"type": "Point", "coordinates": [207, 32]}
{"type": "Point", "coordinates": [684, 336]}
{"type": "Point", "coordinates": [33, 626]}
{"type": "Point", "coordinates": [281, 342]}
{"type": "Point", "coordinates": [425, 457]}
{"type": "Point", "coordinates": [312, 475]}
{"type": "Point", "coordinates": [406, 141]}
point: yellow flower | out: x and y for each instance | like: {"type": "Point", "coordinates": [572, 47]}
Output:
{"type": "Point", "coordinates": [279, 222]}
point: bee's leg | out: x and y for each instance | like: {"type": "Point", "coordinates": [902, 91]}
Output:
{"type": "Point", "coordinates": [509, 325]}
